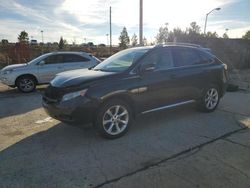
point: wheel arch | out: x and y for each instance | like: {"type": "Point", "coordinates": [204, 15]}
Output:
{"type": "Point", "coordinates": [24, 75]}
{"type": "Point", "coordinates": [123, 97]}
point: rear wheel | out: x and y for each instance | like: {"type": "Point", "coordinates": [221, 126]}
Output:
{"type": "Point", "coordinates": [210, 100]}
{"type": "Point", "coordinates": [26, 84]}
{"type": "Point", "coordinates": [113, 119]}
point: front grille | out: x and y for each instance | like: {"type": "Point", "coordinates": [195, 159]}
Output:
{"type": "Point", "coordinates": [53, 93]}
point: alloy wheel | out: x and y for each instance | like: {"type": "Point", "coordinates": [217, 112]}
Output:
{"type": "Point", "coordinates": [26, 84]}
{"type": "Point", "coordinates": [115, 119]}
{"type": "Point", "coordinates": [211, 98]}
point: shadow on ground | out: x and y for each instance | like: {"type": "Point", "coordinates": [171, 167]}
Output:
{"type": "Point", "coordinates": [65, 156]}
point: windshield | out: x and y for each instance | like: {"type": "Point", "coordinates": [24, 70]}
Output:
{"type": "Point", "coordinates": [121, 61]}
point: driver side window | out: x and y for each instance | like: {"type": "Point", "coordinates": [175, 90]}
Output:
{"type": "Point", "coordinates": [161, 59]}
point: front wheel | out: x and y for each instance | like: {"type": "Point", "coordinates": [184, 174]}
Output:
{"type": "Point", "coordinates": [113, 119]}
{"type": "Point", "coordinates": [209, 100]}
{"type": "Point", "coordinates": [26, 84]}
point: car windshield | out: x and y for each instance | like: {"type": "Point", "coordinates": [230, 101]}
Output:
{"type": "Point", "coordinates": [121, 61]}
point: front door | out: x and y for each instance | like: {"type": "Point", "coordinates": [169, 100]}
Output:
{"type": "Point", "coordinates": [156, 86]}
{"type": "Point", "coordinates": [49, 67]}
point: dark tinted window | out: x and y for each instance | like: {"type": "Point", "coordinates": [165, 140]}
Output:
{"type": "Point", "coordinates": [74, 58]}
{"type": "Point", "coordinates": [205, 57]}
{"type": "Point", "coordinates": [53, 59]}
{"type": "Point", "coordinates": [186, 57]}
{"type": "Point", "coordinates": [160, 58]}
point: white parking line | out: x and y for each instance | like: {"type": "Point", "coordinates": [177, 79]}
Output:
{"type": "Point", "coordinates": [47, 119]}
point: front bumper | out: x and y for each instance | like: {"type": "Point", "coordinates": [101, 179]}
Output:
{"type": "Point", "coordinates": [7, 81]}
{"type": "Point", "coordinates": [78, 110]}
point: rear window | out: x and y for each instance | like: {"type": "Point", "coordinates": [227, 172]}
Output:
{"type": "Point", "coordinates": [186, 57]}
{"type": "Point", "coordinates": [74, 58]}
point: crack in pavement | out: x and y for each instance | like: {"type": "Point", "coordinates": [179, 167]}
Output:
{"type": "Point", "coordinates": [235, 113]}
{"type": "Point", "coordinates": [184, 179]}
{"type": "Point", "coordinates": [231, 166]}
{"type": "Point", "coordinates": [169, 158]}
{"type": "Point", "coordinates": [237, 143]}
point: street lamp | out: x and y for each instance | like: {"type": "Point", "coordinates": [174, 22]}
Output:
{"type": "Point", "coordinates": [206, 19]}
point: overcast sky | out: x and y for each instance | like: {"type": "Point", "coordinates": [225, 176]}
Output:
{"type": "Point", "coordinates": [89, 19]}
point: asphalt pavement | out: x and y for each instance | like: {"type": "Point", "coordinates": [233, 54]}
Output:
{"type": "Point", "coordinates": [181, 147]}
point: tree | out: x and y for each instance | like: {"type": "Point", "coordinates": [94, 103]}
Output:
{"type": "Point", "coordinates": [62, 43]}
{"type": "Point", "coordinates": [124, 38]}
{"type": "Point", "coordinates": [194, 28]}
{"type": "Point", "coordinates": [23, 37]}
{"type": "Point", "coordinates": [225, 36]}
{"type": "Point", "coordinates": [134, 40]}
{"type": "Point", "coordinates": [212, 35]}
{"type": "Point", "coordinates": [162, 35]}
{"type": "Point", "coordinates": [247, 35]}
{"type": "Point", "coordinates": [176, 35]}
{"type": "Point", "coordinates": [5, 41]}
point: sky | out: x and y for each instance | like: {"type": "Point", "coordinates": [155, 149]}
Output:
{"type": "Point", "coordinates": [83, 21]}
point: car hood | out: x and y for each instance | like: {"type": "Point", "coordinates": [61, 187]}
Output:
{"type": "Point", "coordinates": [76, 77]}
{"type": "Point", "coordinates": [15, 66]}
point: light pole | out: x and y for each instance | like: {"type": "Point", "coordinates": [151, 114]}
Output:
{"type": "Point", "coordinates": [110, 31]}
{"type": "Point", "coordinates": [42, 35]}
{"type": "Point", "coordinates": [107, 39]}
{"type": "Point", "coordinates": [206, 19]}
{"type": "Point", "coordinates": [141, 23]}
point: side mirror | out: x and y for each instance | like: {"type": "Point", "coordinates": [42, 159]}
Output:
{"type": "Point", "coordinates": [147, 68]}
{"type": "Point", "coordinates": [42, 62]}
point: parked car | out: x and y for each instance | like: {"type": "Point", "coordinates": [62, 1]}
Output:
{"type": "Point", "coordinates": [43, 69]}
{"type": "Point", "coordinates": [136, 81]}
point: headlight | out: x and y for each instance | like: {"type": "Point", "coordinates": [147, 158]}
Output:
{"type": "Point", "coordinates": [7, 71]}
{"type": "Point", "coordinates": [72, 95]}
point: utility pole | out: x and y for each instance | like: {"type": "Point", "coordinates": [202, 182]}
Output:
{"type": "Point", "coordinates": [141, 23]}
{"type": "Point", "coordinates": [110, 32]}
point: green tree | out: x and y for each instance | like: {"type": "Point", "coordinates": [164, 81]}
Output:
{"type": "Point", "coordinates": [247, 35]}
{"type": "Point", "coordinates": [212, 35]}
{"type": "Point", "coordinates": [5, 41]}
{"type": "Point", "coordinates": [225, 36]}
{"type": "Point", "coordinates": [176, 35]}
{"type": "Point", "coordinates": [194, 28]}
{"type": "Point", "coordinates": [162, 36]}
{"type": "Point", "coordinates": [23, 37]}
{"type": "Point", "coordinates": [124, 38]}
{"type": "Point", "coordinates": [62, 43]}
{"type": "Point", "coordinates": [134, 40]}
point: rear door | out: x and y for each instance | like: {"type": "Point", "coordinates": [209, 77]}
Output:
{"type": "Point", "coordinates": [51, 66]}
{"type": "Point", "coordinates": [190, 73]}
{"type": "Point", "coordinates": [75, 61]}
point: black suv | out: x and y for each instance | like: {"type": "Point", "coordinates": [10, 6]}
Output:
{"type": "Point", "coordinates": [136, 81]}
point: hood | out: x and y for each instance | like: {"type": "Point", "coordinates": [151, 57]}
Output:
{"type": "Point", "coordinates": [15, 66]}
{"type": "Point", "coordinates": [76, 77]}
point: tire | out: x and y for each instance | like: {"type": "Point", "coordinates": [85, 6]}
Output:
{"type": "Point", "coordinates": [113, 119]}
{"type": "Point", "coordinates": [26, 84]}
{"type": "Point", "coordinates": [210, 99]}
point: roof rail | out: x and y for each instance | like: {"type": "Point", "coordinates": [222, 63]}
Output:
{"type": "Point", "coordinates": [184, 44]}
